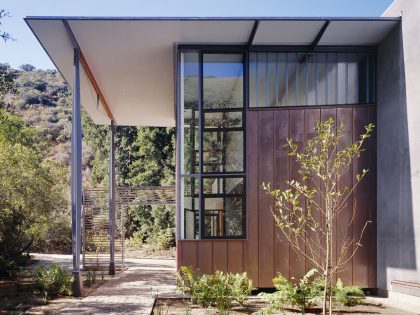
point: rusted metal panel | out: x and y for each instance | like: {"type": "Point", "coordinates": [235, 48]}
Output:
{"type": "Point", "coordinates": [265, 202]}
{"type": "Point", "coordinates": [235, 256]}
{"type": "Point", "coordinates": [262, 253]}
{"type": "Point", "coordinates": [220, 255]}
{"type": "Point", "coordinates": [251, 246]}
{"type": "Point", "coordinates": [360, 203]}
{"type": "Point", "coordinates": [188, 253]}
{"type": "Point", "coordinates": [205, 256]}
{"type": "Point", "coordinates": [297, 133]}
{"type": "Point", "coordinates": [372, 184]}
{"type": "Point", "coordinates": [313, 238]}
{"type": "Point", "coordinates": [345, 218]}
{"type": "Point", "coordinates": [281, 175]}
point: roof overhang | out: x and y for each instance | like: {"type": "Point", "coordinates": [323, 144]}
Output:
{"type": "Point", "coordinates": [133, 63]}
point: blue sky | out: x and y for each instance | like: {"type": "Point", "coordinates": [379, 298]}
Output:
{"type": "Point", "coordinates": [27, 50]}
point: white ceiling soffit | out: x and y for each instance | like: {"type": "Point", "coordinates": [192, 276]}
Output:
{"type": "Point", "coordinates": [356, 32]}
{"type": "Point", "coordinates": [287, 32]}
{"type": "Point", "coordinates": [52, 34]}
{"type": "Point", "coordinates": [132, 60]}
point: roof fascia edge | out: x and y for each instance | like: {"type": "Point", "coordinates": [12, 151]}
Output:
{"type": "Point", "coordinates": [88, 72]}
{"type": "Point", "coordinates": [266, 18]}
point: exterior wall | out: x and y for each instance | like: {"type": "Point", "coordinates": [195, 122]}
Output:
{"type": "Point", "coordinates": [263, 253]}
{"type": "Point", "coordinates": [399, 148]}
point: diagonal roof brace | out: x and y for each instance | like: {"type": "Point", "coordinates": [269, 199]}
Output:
{"type": "Point", "coordinates": [253, 32]}
{"type": "Point", "coordinates": [88, 72]}
{"type": "Point", "coordinates": [319, 35]}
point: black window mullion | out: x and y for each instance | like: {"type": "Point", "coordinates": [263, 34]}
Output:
{"type": "Point", "coordinates": [200, 149]}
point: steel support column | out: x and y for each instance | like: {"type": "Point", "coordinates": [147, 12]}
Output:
{"type": "Point", "coordinates": [112, 187]}
{"type": "Point", "coordinates": [76, 175]}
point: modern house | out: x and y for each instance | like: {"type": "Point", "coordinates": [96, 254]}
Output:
{"type": "Point", "coordinates": [235, 88]}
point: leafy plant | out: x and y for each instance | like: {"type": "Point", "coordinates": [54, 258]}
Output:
{"type": "Point", "coordinates": [219, 289]}
{"type": "Point", "coordinates": [304, 294]}
{"type": "Point", "coordinates": [52, 280]}
{"type": "Point", "coordinates": [347, 295]}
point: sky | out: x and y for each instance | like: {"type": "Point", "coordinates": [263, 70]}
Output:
{"type": "Point", "coordinates": [25, 49]}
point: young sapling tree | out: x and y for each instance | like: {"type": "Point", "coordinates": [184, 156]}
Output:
{"type": "Point", "coordinates": [307, 210]}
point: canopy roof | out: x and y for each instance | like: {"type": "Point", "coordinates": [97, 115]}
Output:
{"type": "Point", "coordinates": [129, 63]}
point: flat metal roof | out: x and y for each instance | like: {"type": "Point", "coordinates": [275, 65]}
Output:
{"type": "Point", "coordinates": [132, 58]}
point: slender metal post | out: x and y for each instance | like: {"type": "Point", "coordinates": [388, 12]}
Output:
{"type": "Point", "coordinates": [76, 176]}
{"type": "Point", "coordinates": [112, 187]}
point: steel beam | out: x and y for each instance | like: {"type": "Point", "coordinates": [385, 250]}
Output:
{"type": "Point", "coordinates": [112, 194]}
{"type": "Point", "coordinates": [253, 32]}
{"type": "Point", "coordinates": [76, 175]}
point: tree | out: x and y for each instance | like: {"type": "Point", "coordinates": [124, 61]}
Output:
{"type": "Point", "coordinates": [319, 197]}
{"type": "Point", "coordinates": [4, 35]}
{"type": "Point", "coordinates": [27, 67]}
{"type": "Point", "coordinates": [30, 188]}
{"type": "Point", "coordinates": [6, 79]}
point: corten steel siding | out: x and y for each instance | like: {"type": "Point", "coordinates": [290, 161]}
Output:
{"type": "Point", "coordinates": [264, 252]}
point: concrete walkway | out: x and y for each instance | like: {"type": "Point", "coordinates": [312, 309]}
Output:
{"type": "Point", "coordinates": [130, 292]}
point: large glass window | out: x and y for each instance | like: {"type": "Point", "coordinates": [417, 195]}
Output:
{"type": "Point", "coordinates": [212, 118]}
{"type": "Point", "coordinates": [293, 79]}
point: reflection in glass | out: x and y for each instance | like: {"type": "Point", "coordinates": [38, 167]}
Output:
{"type": "Point", "coordinates": [352, 79]}
{"type": "Point", "coordinates": [190, 204]}
{"type": "Point", "coordinates": [296, 79]}
{"type": "Point", "coordinates": [281, 79]}
{"type": "Point", "coordinates": [332, 97]}
{"type": "Point", "coordinates": [212, 137]}
{"type": "Point", "coordinates": [222, 81]}
{"type": "Point", "coordinates": [291, 79]}
{"type": "Point", "coordinates": [222, 119]}
{"type": "Point", "coordinates": [223, 151]}
{"type": "Point", "coordinates": [271, 92]}
{"type": "Point", "coordinates": [223, 185]}
{"type": "Point", "coordinates": [321, 79]}
{"type": "Point", "coordinates": [189, 99]}
{"type": "Point", "coordinates": [223, 217]}
{"type": "Point", "coordinates": [311, 79]}
{"type": "Point", "coordinates": [342, 79]}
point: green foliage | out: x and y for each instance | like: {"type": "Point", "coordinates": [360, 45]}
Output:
{"type": "Point", "coordinates": [30, 191]}
{"type": "Point", "coordinates": [305, 294]}
{"type": "Point", "coordinates": [6, 79]}
{"type": "Point", "coordinates": [347, 295]}
{"type": "Point", "coordinates": [219, 289]}
{"type": "Point", "coordinates": [155, 224]}
{"type": "Point", "coordinates": [53, 280]}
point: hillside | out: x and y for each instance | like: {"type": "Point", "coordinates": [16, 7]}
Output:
{"type": "Point", "coordinates": [144, 155]}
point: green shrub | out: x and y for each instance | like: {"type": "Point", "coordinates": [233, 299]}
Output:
{"type": "Point", "coordinates": [136, 240]}
{"type": "Point", "coordinates": [219, 289]}
{"type": "Point", "coordinates": [347, 295]}
{"type": "Point", "coordinates": [52, 280]}
{"type": "Point", "coordinates": [305, 294]}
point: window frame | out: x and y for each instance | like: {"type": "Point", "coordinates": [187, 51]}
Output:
{"type": "Point", "coordinates": [201, 175]}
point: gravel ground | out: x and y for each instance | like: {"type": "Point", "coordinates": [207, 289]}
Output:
{"type": "Point", "coordinates": [181, 307]}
